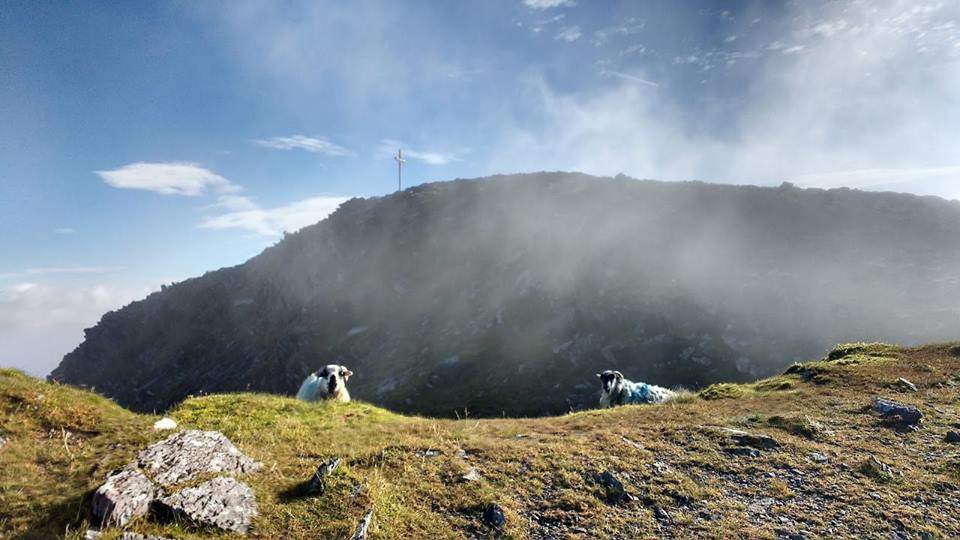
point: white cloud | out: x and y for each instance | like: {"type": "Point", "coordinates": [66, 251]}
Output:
{"type": "Point", "coordinates": [568, 33]}
{"type": "Point", "coordinates": [318, 145]}
{"type": "Point", "coordinates": [174, 178]}
{"type": "Point", "coordinates": [629, 27]}
{"type": "Point", "coordinates": [40, 322]}
{"type": "Point", "coordinates": [881, 98]}
{"type": "Point", "coordinates": [276, 221]}
{"type": "Point", "coordinates": [48, 270]}
{"type": "Point", "coordinates": [794, 49]}
{"type": "Point", "coordinates": [65, 230]}
{"type": "Point", "coordinates": [547, 4]}
{"type": "Point", "coordinates": [388, 148]}
{"type": "Point", "coordinates": [829, 28]}
{"type": "Point", "coordinates": [234, 202]}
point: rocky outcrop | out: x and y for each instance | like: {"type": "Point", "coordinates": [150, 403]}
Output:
{"type": "Point", "coordinates": [124, 496]}
{"type": "Point", "coordinates": [186, 455]}
{"type": "Point", "coordinates": [222, 502]}
{"type": "Point", "coordinates": [141, 486]}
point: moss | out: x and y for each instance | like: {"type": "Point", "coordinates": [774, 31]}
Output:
{"type": "Point", "coordinates": [723, 391]}
{"type": "Point", "coordinates": [802, 426]}
{"type": "Point", "coordinates": [880, 473]}
{"type": "Point", "coordinates": [844, 350]}
{"type": "Point", "coordinates": [780, 383]}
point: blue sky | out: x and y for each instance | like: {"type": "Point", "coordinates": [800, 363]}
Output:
{"type": "Point", "coordinates": [144, 143]}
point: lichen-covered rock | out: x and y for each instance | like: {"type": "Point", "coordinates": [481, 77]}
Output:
{"type": "Point", "coordinates": [124, 496]}
{"type": "Point", "coordinates": [185, 455]}
{"type": "Point", "coordinates": [222, 502]}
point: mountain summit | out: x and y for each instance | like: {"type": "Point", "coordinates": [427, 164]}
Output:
{"type": "Point", "coordinates": [505, 295]}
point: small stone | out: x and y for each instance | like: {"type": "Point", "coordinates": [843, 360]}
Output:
{"type": "Point", "coordinates": [92, 534]}
{"type": "Point", "coordinates": [472, 475]}
{"type": "Point", "coordinates": [742, 452]}
{"type": "Point", "coordinates": [660, 468]}
{"type": "Point", "coordinates": [124, 496]}
{"type": "Point", "coordinates": [906, 385]}
{"type": "Point", "coordinates": [461, 453]}
{"type": "Point", "coordinates": [632, 443]}
{"type": "Point", "coordinates": [164, 424]}
{"type": "Point", "coordinates": [362, 527]}
{"type": "Point", "coordinates": [428, 453]}
{"type": "Point", "coordinates": [494, 517]}
{"type": "Point", "coordinates": [789, 535]}
{"type": "Point", "coordinates": [760, 506]}
{"type": "Point", "coordinates": [615, 492]}
{"type": "Point", "coordinates": [356, 491]}
{"type": "Point", "coordinates": [317, 482]}
{"type": "Point", "coordinates": [222, 502]}
{"type": "Point", "coordinates": [952, 437]}
{"type": "Point", "coordinates": [661, 514]}
{"type": "Point", "coordinates": [137, 536]}
{"type": "Point", "coordinates": [817, 457]}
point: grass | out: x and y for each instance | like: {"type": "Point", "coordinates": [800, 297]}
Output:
{"type": "Point", "coordinates": [63, 442]}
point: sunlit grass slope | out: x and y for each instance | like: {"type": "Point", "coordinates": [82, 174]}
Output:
{"type": "Point", "coordinates": [61, 443]}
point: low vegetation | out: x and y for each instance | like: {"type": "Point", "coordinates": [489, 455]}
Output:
{"type": "Point", "coordinates": [682, 474]}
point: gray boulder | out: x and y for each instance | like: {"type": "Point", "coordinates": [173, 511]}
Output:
{"type": "Point", "coordinates": [908, 414]}
{"type": "Point", "coordinates": [222, 502]}
{"type": "Point", "coordinates": [186, 455]}
{"type": "Point", "coordinates": [124, 496]}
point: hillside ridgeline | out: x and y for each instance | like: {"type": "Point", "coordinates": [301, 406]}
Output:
{"type": "Point", "coordinates": [505, 295]}
{"type": "Point", "coordinates": [799, 455]}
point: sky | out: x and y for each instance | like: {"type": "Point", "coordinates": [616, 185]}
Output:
{"type": "Point", "coordinates": [145, 143]}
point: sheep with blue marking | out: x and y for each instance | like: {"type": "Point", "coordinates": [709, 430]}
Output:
{"type": "Point", "coordinates": [616, 390]}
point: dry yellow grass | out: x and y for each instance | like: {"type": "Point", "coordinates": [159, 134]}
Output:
{"type": "Point", "coordinates": [671, 459]}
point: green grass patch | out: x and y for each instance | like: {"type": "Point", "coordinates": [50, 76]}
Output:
{"type": "Point", "coordinates": [779, 383]}
{"type": "Point", "coordinates": [844, 350]}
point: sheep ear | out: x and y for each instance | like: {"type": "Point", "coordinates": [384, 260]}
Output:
{"type": "Point", "coordinates": [346, 373]}
{"type": "Point", "coordinates": [618, 374]}
{"type": "Point", "coordinates": [599, 376]}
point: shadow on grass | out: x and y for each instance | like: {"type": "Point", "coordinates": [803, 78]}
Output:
{"type": "Point", "coordinates": [68, 514]}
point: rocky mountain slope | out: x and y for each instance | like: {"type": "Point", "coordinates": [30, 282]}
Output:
{"type": "Point", "coordinates": [800, 455]}
{"type": "Point", "coordinates": [505, 295]}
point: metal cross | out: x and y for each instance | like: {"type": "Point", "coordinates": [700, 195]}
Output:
{"type": "Point", "coordinates": [400, 162]}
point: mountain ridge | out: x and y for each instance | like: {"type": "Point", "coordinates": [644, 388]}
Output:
{"type": "Point", "coordinates": [448, 298]}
